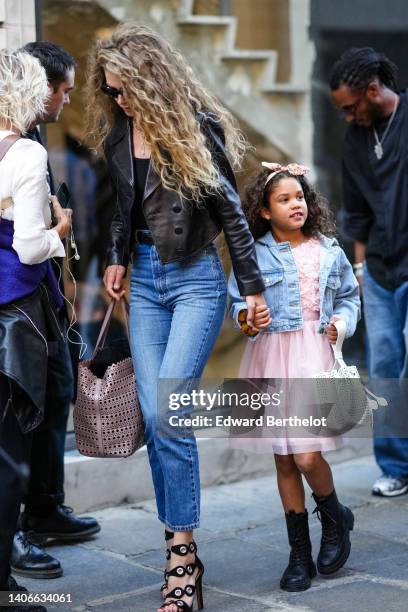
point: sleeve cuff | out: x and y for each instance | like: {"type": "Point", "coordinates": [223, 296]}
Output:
{"type": "Point", "coordinates": [236, 310]}
{"type": "Point", "coordinates": [57, 247]}
{"type": "Point", "coordinates": [250, 287]}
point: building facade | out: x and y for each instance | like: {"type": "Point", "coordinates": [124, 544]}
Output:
{"type": "Point", "coordinates": [17, 22]}
{"type": "Point", "coordinates": [257, 61]}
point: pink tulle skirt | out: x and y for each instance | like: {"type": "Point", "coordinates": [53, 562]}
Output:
{"type": "Point", "coordinates": [295, 354]}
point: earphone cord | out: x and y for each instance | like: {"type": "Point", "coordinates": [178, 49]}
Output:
{"type": "Point", "coordinates": [74, 246]}
{"type": "Point", "coordinates": [74, 318]}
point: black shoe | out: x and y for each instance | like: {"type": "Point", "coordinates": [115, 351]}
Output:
{"type": "Point", "coordinates": [61, 524]}
{"type": "Point", "coordinates": [13, 587]}
{"type": "Point", "coordinates": [301, 568]}
{"type": "Point", "coordinates": [337, 522]}
{"type": "Point", "coordinates": [30, 561]}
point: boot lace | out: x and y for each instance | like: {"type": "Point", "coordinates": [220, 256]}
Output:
{"type": "Point", "coordinates": [329, 526]}
{"type": "Point", "coordinates": [299, 553]}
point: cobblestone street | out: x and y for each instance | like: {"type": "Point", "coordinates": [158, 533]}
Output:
{"type": "Point", "coordinates": [244, 548]}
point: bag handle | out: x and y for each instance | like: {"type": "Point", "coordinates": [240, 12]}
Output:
{"type": "Point", "coordinates": [100, 343]}
{"type": "Point", "coordinates": [341, 327]}
{"type": "Point", "coordinates": [7, 143]}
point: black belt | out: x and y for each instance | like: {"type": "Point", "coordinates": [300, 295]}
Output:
{"type": "Point", "coordinates": [143, 237]}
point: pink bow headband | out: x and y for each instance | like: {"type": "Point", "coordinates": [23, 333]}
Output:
{"type": "Point", "coordinates": [295, 169]}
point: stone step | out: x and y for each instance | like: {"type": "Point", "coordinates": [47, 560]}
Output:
{"type": "Point", "coordinates": [267, 83]}
{"type": "Point", "coordinates": [243, 75]}
{"type": "Point", "coordinates": [206, 20]}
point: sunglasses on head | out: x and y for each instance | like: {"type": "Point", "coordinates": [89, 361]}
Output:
{"type": "Point", "coordinates": [112, 92]}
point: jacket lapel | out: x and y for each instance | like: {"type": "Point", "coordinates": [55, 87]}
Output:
{"type": "Point", "coordinates": [120, 139]}
{"type": "Point", "coordinates": [152, 182]}
{"type": "Point", "coordinates": [122, 157]}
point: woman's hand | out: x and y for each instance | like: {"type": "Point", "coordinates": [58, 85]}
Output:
{"type": "Point", "coordinates": [258, 316]}
{"type": "Point", "coordinates": [63, 217]}
{"type": "Point", "coordinates": [262, 317]}
{"type": "Point", "coordinates": [113, 281]}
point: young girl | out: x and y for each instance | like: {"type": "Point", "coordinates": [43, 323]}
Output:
{"type": "Point", "coordinates": [309, 285]}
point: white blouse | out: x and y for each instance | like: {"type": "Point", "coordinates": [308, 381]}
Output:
{"type": "Point", "coordinates": [23, 177]}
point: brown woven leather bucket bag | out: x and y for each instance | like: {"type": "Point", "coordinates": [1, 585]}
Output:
{"type": "Point", "coordinates": [108, 421]}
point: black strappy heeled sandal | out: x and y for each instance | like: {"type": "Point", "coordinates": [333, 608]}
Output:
{"type": "Point", "coordinates": [168, 535]}
{"type": "Point", "coordinates": [175, 596]}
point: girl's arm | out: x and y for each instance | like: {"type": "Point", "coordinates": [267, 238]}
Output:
{"type": "Point", "coordinates": [347, 303]}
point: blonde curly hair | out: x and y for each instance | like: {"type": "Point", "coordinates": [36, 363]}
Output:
{"type": "Point", "coordinates": [164, 97]}
{"type": "Point", "coordinates": [23, 90]}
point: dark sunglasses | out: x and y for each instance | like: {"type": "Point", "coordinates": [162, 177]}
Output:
{"type": "Point", "coordinates": [112, 92]}
{"type": "Point", "coordinates": [351, 109]}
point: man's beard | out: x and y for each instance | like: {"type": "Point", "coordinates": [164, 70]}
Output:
{"type": "Point", "coordinates": [51, 117]}
{"type": "Point", "coordinates": [374, 113]}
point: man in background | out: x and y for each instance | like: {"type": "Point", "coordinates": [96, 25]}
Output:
{"type": "Point", "coordinates": [375, 196]}
{"type": "Point", "coordinates": [45, 517]}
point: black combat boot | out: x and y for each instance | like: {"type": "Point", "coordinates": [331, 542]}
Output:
{"type": "Point", "coordinates": [337, 522]}
{"type": "Point", "coordinates": [301, 569]}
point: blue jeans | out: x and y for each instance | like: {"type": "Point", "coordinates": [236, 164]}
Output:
{"type": "Point", "coordinates": [176, 313]}
{"type": "Point", "coordinates": [386, 320]}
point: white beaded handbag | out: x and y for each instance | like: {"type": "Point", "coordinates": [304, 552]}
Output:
{"type": "Point", "coordinates": [343, 390]}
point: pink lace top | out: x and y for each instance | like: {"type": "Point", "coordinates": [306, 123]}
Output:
{"type": "Point", "coordinates": [307, 259]}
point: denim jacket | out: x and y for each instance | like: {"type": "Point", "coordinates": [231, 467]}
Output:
{"type": "Point", "coordinates": [339, 294]}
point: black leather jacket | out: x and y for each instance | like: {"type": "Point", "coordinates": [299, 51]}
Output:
{"type": "Point", "coordinates": [180, 228]}
{"type": "Point", "coordinates": [28, 328]}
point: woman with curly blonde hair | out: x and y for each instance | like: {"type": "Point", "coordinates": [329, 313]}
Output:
{"type": "Point", "coordinates": [28, 291]}
{"type": "Point", "coordinates": [170, 148]}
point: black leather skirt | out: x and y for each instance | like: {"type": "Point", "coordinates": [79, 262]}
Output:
{"type": "Point", "coordinates": [27, 326]}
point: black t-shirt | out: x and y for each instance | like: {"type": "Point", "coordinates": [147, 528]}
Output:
{"type": "Point", "coordinates": [141, 169]}
{"type": "Point", "coordinates": [34, 134]}
{"type": "Point", "coordinates": [376, 196]}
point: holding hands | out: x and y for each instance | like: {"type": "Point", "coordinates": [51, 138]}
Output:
{"type": "Point", "coordinates": [256, 317]}
{"type": "Point", "coordinates": [262, 317]}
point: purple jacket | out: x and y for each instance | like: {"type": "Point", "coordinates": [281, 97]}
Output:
{"type": "Point", "coordinates": [18, 280]}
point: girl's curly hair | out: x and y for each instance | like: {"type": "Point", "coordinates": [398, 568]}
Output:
{"type": "Point", "coordinates": [320, 219]}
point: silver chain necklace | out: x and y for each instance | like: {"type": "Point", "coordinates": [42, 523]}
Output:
{"type": "Point", "coordinates": [378, 149]}
{"type": "Point", "coordinates": [142, 138]}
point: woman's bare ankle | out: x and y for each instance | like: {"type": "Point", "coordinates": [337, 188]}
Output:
{"type": "Point", "coordinates": [182, 537]}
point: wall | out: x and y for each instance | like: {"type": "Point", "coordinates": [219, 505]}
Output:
{"type": "Point", "coordinates": [360, 15]}
{"type": "Point", "coordinates": [17, 23]}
